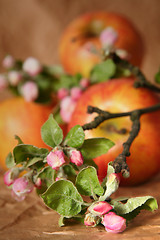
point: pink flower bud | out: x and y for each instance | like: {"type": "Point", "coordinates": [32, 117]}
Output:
{"type": "Point", "coordinates": [84, 82]}
{"type": "Point", "coordinates": [108, 36]}
{"type": "Point", "coordinates": [10, 176]}
{"type": "Point", "coordinates": [8, 62]}
{"type": "Point", "coordinates": [21, 187]}
{"type": "Point", "coordinates": [14, 77]}
{"type": "Point", "coordinates": [62, 92]}
{"type": "Point", "coordinates": [122, 53]}
{"type": "Point", "coordinates": [90, 220]}
{"type": "Point", "coordinates": [114, 223]}
{"type": "Point", "coordinates": [67, 107]}
{"type": "Point", "coordinates": [38, 183]}
{"type": "Point", "coordinates": [76, 93]}
{"type": "Point", "coordinates": [100, 208]}
{"type": "Point", "coordinates": [29, 91]}
{"type": "Point", "coordinates": [55, 158]}
{"type": "Point", "coordinates": [113, 177]}
{"type": "Point", "coordinates": [76, 157]}
{"type": "Point", "coordinates": [3, 82]}
{"type": "Point", "coordinates": [32, 66]}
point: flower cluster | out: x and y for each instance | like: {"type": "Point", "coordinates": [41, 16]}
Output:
{"type": "Point", "coordinates": [68, 99]}
{"type": "Point", "coordinates": [21, 186]}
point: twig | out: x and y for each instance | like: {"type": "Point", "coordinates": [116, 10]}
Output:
{"type": "Point", "coordinates": [119, 163]}
{"type": "Point", "coordinates": [142, 81]}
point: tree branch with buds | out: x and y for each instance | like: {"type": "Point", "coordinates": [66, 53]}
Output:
{"type": "Point", "coordinates": [119, 163]}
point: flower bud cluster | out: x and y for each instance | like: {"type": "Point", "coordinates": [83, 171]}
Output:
{"type": "Point", "coordinates": [68, 99]}
{"type": "Point", "coordinates": [22, 78]}
{"type": "Point", "coordinates": [56, 158]}
{"type": "Point", "coordinates": [102, 212]}
{"type": "Point", "coordinates": [21, 185]}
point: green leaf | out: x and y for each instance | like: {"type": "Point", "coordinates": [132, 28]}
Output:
{"type": "Point", "coordinates": [87, 182]}
{"type": "Point", "coordinates": [110, 170]}
{"type": "Point", "coordinates": [10, 161]}
{"type": "Point", "coordinates": [133, 206]}
{"type": "Point", "coordinates": [25, 152]}
{"type": "Point", "coordinates": [61, 221]}
{"type": "Point", "coordinates": [94, 147]}
{"type": "Point", "coordinates": [63, 197]}
{"type": "Point", "coordinates": [75, 137]}
{"type": "Point", "coordinates": [34, 160]}
{"type": "Point", "coordinates": [18, 139]}
{"type": "Point", "coordinates": [103, 71]}
{"type": "Point", "coordinates": [157, 77]}
{"type": "Point", "coordinates": [51, 133]}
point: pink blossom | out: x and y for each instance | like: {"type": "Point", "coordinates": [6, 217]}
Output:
{"type": "Point", "coordinates": [114, 223]}
{"type": "Point", "coordinates": [29, 91]}
{"type": "Point", "coordinates": [122, 53]}
{"type": "Point", "coordinates": [101, 208]}
{"type": "Point", "coordinates": [14, 77]}
{"type": "Point", "coordinates": [38, 183]}
{"type": "Point", "coordinates": [67, 107]}
{"type": "Point", "coordinates": [76, 93]}
{"type": "Point", "coordinates": [76, 157]}
{"type": "Point", "coordinates": [62, 92]}
{"type": "Point", "coordinates": [108, 36]}
{"type": "Point", "coordinates": [90, 220]}
{"type": "Point", "coordinates": [55, 158]}
{"type": "Point", "coordinates": [113, 177]}
{"type": "Point", "coordinates": [84, 82]}
{"type": "Point", "coordinates": [9, 178]}
{"type": "Point", "coordinates": [21, 187]}
{"type": "Point", "coordinates": [3, 82]}
{"type": "Point", "coordinates": [32, 66]}
{"type": "Point", "coordinates": [8, 62]}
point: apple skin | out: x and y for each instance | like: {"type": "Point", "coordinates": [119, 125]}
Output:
{"type": "Point", "coordinates": [73, 54]}
{"type": "Point", "coordinates": [25, 119]}
{"type": "Point", "coordinates": [119, 95]}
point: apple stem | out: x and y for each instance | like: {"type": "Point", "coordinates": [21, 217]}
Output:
{"type": "Point", "coordinates": [119, 163]}
{"type": "Point", "coordinates": [142, 81]}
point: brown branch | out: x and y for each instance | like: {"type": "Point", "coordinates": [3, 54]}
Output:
{"type": "Point", "coordinates": [142, 81]}
{"type": "Point", "coordinates": [119, 163]}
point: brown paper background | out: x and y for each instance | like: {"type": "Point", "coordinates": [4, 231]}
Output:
{"type": "Point", "coordinates": [33, 28]}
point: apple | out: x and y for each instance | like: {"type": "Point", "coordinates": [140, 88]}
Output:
{"type": "Point", "coordinates": [119, 95]}
{"type": "Point", "coordinates": [85, 33]}
{"type": "Point", "coordinates": [18, 117]}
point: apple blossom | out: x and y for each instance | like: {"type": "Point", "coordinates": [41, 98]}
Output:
{"type": "Point", "coordinates": [32, 66]}
{"type": "Point", "coordinates": [29, 91]}
{"type": "Point", "coordinates": [100, 208]}
{"type": "Point", "coordinates": [67, 107]}
{"type": "Point", "coordinates": [55, 158]}
{"type": "Point", "coordinates": [122, 53]}
{"type": "Point", "coordinates": [10, 176]}
{"type": "Point", "coordinates": [84, 82]}
{"type": "Point", "coordinates": [3, 82]}
{"type": "Point", "coordinates": [91, 220]}
{"type": "Point", "coordinates": [8, 62]}
{"type": "Point", "coordinates": [76, 157]}
{"type": "Point", "coordinates": [76, 93]}
{"type": "Point", "coordinates": [62, 92]}
{"type": "Point", "coordinates": [114, 223]}
{"type": "Point", "coordinates": [108, 37]}
{"type": "Point", "coordinates": [14, 77]}
{"type": "Point", "coordinates": [21, 187]}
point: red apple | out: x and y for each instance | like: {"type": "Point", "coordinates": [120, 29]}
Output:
{"type": "Point", "coordinates": [18, 117]}
{"type": "Point", "coordinates": [119, 95]}
{"type": "Point", "coordinates": [84, 33]}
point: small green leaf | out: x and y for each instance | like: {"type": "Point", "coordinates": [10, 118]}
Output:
{"type": "Point", "coordinates": [133, 206]}
{"type": "Point", "coordinates": [63, 197]}
{"type": "Point", "coordinates": [25, 152]}
{"type": "Point", "coordinates": [10, 161]}
{"type": "Point", "coordinates": [51, 133]}
{"type": "Point", "coordinates": [110, 170]}
{"type": "Point", "coordinates": [87, 182]}
{"type": "Point", "coordinates": [75, 137]}
{"type": "Point", "coordinates": [157, 77]}
{"type": "Point", "coordinates": [103, 71]}
{"type": "Point", "coordinates": [34, 160]}
{"type": "Point", "coordinates": [18, 139]}
{"type": "Point", "coordinates": [94, 147]}
{"type": "Point", "coordinates": [61, 221]}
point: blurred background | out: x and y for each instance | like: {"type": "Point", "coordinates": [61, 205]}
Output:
{"type": "Point", "coordinates": [34, 27]}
